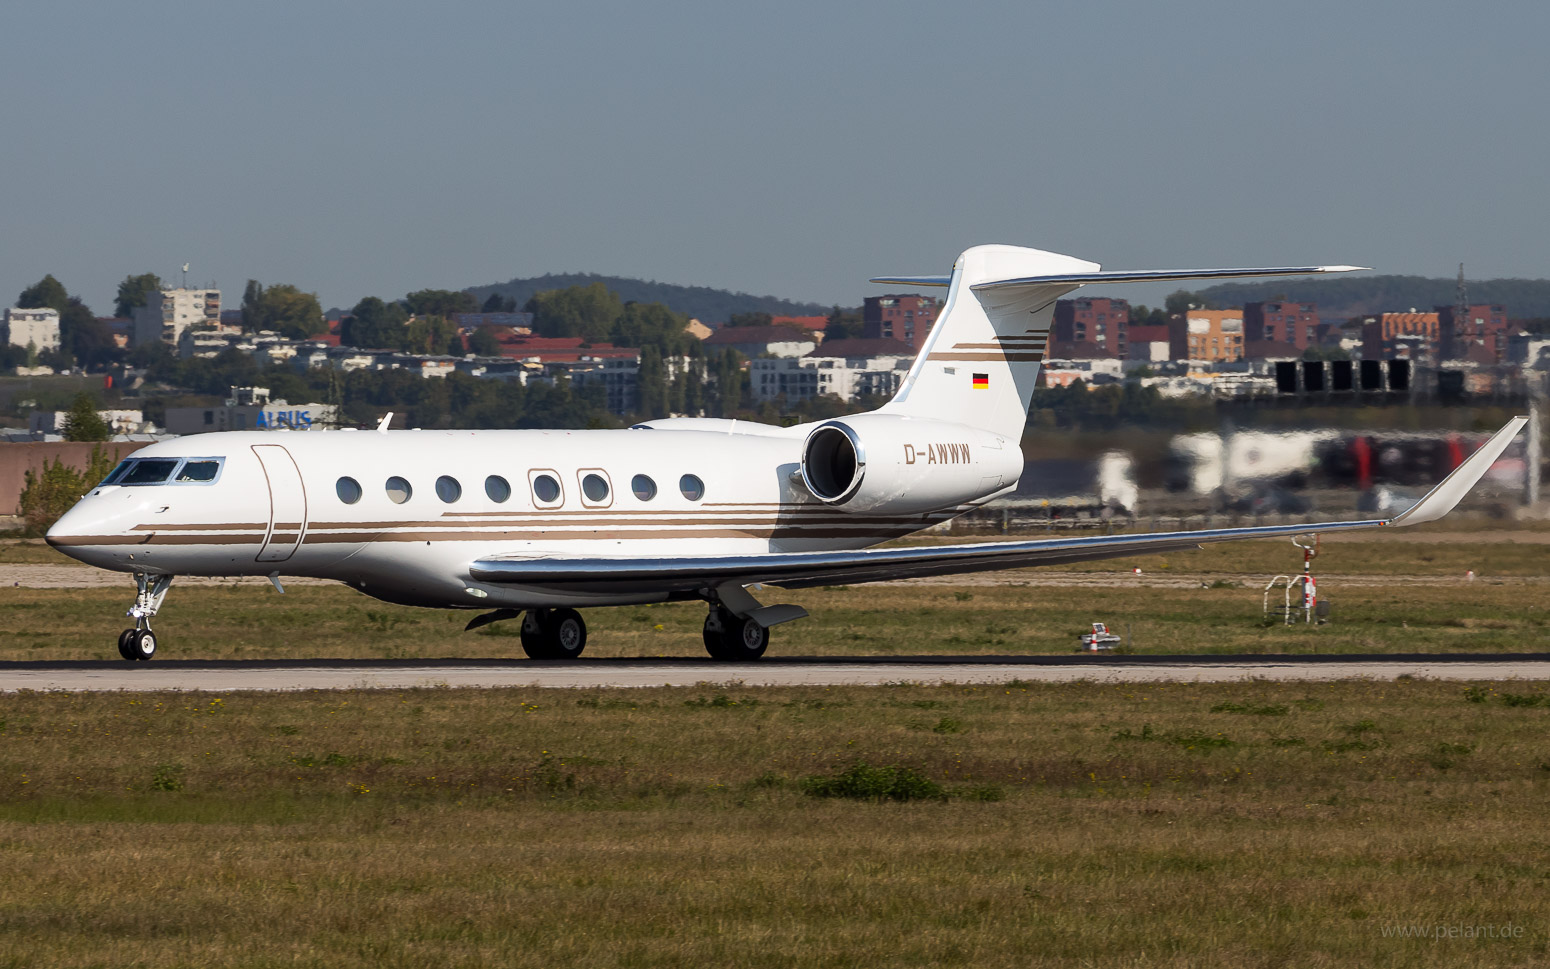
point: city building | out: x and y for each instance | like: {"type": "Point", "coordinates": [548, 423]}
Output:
{"type": "Point", "coordinates": [468, 321]}
{"type": "Point", "coordinates": [247, 409]}
{"type": "Point", "coordinates": [37, 328]}
{"type": "Point", "coordinates": [1409, 335]}
{"type": "Point", "coordinates": [1213, 335]}
{"type": "Point", "coordinates": [1085, 329]}
{"type": "Point", "coordinates": [43, 422]}
{"type": "Point", "coordinates": [1092, 371]}
{"type": "Point", "coordinates": [1482, 336]}
{"type": "Point", "coordinates": [1282, 322]}
{"type": "Point", "coordinates": [907, 318]}
{"type": "Point", "coordinates": [757, 341]}
{"type": "Point", "coordinates": [847, 368]}
{"type": "Point", "coordinates": [168, 312]}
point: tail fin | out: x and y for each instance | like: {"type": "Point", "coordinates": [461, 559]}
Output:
{"type": "Point", "coordinates": [981, 360]}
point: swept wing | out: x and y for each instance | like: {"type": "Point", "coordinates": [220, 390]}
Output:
{"type": "Point", "coordinates": [795, 570]}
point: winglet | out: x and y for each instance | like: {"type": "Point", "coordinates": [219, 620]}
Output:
{"type": "Point", "coordinates": [386, 420]}
{"type": "Point", "coordinates": [1442, 499]}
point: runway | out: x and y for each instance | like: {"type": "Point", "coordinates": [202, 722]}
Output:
{"type": "Point", "coordinates": [221, 676]}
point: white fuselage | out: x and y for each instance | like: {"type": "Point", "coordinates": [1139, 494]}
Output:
{"type": "Point", "coordinates": [279, 506]}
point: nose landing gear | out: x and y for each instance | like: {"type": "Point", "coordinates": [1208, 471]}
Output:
{"type": "Point", "coordinates": [138, 642]}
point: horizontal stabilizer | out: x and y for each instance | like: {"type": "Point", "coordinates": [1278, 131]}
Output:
{"type": "Point", "coordinates": [914, 280]}
{"type": "Point", "coordinates": [1157, 276]}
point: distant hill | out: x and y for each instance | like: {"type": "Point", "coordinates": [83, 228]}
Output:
{"type": "Point", "coordinates": [1362, 295]}
{"type": "Point", "coordinates": [701, 302]}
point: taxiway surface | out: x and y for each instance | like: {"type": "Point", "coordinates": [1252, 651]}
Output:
{"type": "Point", "coordinates": [235, 675]}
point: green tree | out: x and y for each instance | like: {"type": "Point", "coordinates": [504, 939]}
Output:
{"type": "Point", "coordinates": [439, 302]}
{"type": "Point", "coordinates": [47, 292]}
{"type": "Point", "coordinates": [135, 291]}
{"type": "Point", "coordinates": [81, 337]}
{"type": "Point", "coordinates": [85, 337]}
{"type": "Point", "coordinates": [484, 343]}
{"type": "Point", "coordinates": [49, 493]}
{"type": "Point", "coordinates": [433, 335]}
{"type": "Point", "coordinates": [498, 304]}
{"type": "Point", "coordinates": [585, 311]}
{"type": "Point", "coordinates": [252, 295]}
{"type": "Point", "coordinates": [651, 379]}
{"type": "Point", "coordinates": [844, 324]}
{"type": "Point", "coordinates": [1182, 301]}
{"type": "Point", "coordinates": [652, 325]}
{"type": "Point", "coordinates": [83, 423]}
{"type": "Point", "coordinates": [750, 319]}
{"type": "Point", "coordinates": [282, 308]}
{"type": "Point", "coordinates": [375, 324]}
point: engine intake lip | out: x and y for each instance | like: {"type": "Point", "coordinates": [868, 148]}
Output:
{"type": "Point", "coordinates": [826, 444]}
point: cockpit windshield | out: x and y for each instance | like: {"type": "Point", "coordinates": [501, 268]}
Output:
{"type": "Point", "coordinates": [148, 472]}
{"type": "Point", "coordinates": [155, 471]}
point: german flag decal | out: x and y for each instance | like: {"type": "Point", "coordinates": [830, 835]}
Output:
{"type": "Point", "coordinates": [982, 381]}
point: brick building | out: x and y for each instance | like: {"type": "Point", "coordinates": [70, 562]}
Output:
{"type": "Point", "coordinates": [1283, 322]}
{"type": "Point", "coordinates": [1482, 337]}
{"type": "Point", "coordinates": [1086, 329]}
{"type": "Point", "coordinates": [906, 318]}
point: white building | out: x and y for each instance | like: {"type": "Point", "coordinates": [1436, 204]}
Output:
{"type": "Point", "coordinates": [847, 368]}
{"type": "Point", "coordinates": [168, 312]}
{"type": "Point", "coordinates": [53, 421]}
{"type": "Point", "coordinates": [249, 408]}
{"type": "Point", "coordinates": [1093, 373]}
{"type": "Point", "coordinates": [37, 328]}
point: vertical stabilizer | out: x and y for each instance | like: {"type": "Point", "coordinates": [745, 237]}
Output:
{"type": "Point", "coordinates": [981, 360]}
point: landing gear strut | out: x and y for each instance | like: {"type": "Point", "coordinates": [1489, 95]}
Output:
{"type": "Point", "coordinates": [553, 634]}
{"type": "Point", "coordinates": [733, 640]}
{"type": "Point", "coordinates": [138, 642]}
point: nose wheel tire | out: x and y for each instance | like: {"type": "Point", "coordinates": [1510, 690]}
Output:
{"type": "Point", "coordinates": [137, 644]}
{"type": "Point", "coordinates": [553, 634]}
{"type": "Point", "coordinates": [729, 639]}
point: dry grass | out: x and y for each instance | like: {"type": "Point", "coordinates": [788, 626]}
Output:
{"type": "Point", "coordinates": [1171, 824]}
{"type": "Point", "coordinates": [250, 622]}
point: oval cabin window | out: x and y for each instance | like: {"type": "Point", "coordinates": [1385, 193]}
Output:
{"type": "Point", "coordinates": [546, 489]}
{"type": "Point", "coordinates": [595, 488]}
{"type": "Point", "coordinates": [645, 489]}
{"type": "Point", "coordinates": [398, 490]}
{"type": "Point", "coordinates": [691, 487]}
{"type": "Point", "coordinates": [497, 488]}
{"type": "Point", "coordinates": [348, 490]}
{"type": "Point", "coordinates": [447, 489]}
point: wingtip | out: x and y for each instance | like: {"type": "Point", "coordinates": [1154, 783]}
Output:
{"type": "Point", "coordinates": [1345, 269]}
{"type": "Point", "coordinates": [1446, 495]}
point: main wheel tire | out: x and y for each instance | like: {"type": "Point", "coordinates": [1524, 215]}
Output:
{"type": "Point", "coordinates": [553, 634]}
{"type": "Point", "coordinates": [533, 642]}
{"type": "Point", "coordinates": [567, 634]}
{"type": "Point", "coordinates": [142, 644]}
{"type": "Point", "coordinates": [123, 645]}
{"type": "Point", "coordinates": [737, 640]}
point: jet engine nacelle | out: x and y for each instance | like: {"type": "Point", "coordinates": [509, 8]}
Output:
{"type": "Point", "coordinates": [905, 465]}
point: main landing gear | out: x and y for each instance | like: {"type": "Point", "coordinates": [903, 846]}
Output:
{"type": "Point", "coordinates": [553, 634]}
{"type": "Point", "coordinates": [139, 642]}
{"type": "Point", "coordinates": [733, 640]}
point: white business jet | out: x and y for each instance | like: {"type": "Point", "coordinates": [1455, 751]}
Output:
{"type": "Point", "coordinates": [534, 524]}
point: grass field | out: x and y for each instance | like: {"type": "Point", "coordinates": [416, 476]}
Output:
{"type": "Point", "coordinates": [1425, 605]}
{"type": "Point", "coordinates": [1072, 825]}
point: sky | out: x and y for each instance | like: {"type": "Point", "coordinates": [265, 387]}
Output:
{"type": "Point", "coordinates": [792, 149]}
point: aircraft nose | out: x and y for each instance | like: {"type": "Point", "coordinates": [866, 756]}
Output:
{"type": "Point", "coordinates": [68, 527]}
